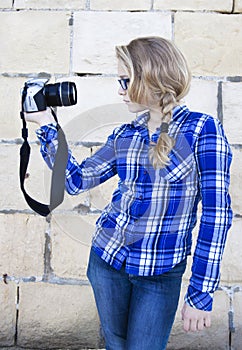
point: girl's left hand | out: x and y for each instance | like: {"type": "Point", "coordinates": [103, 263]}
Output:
{"type": "Point", "coordinates": [195, 319]}
{"type": "Point", "coordinates": [41, 118]}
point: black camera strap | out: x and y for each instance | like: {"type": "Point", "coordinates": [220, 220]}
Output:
{"type": "Point", "coordinates": [58, 172]}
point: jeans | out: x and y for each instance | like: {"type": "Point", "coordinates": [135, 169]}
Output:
{"type": "Point", "coordinates": [136, 312]}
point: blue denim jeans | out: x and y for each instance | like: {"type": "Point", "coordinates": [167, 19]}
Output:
{"type": "Point", "coordinates": [136, 312]}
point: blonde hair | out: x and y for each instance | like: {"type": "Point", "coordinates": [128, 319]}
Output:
{"type": "Point", "coordinates": [157, 71]}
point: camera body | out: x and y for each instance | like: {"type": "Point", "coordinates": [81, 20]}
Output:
{"type": "Point", "coordinates": [37, 95]}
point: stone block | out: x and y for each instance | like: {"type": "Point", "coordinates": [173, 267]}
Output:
{"type": "Point", "coordinates": [10, 118]}
{"type": "Point", "coordinates": [194, 5]}
{"type": "Point", "coordinates": [94, 43]}
{"type": "Point", "coordinates": [44, 48]}
{"type": "Point", "coordinates": [37, 183]}
{"type": "Point", "coordinates": [10, 121]}
{"type": "Point", "coordinates": [98, 106]}
{"type": "Point", "coordinates": [71, 237]}
{"type": "Point", "coordinates": [6, 4]}
{"type": "Point", "coordinates": [236, 180]}
{"type": "Point", "coordinates": [202, 96]}
{"type": "Point", "coordinates": [54, 316]}
{"type": "Point", "coordinates": [207, 48]}
{"type": "Point", "coordinates": [135, 5]}
{"type": "Point", "coordinates": [22, 242]}
{"type": "Point", "coordinates": [238, 6]}
{"type": "Point", "coordinates": [232, 105]}
{"type": "Point", "coordinates": [215, 337]}
{"type": "Point", "coordinates": [232, 259]}
{"type": "Point", "coordinates": [49, 4]}
{"type": "Point", "coordinates": [8, 294]}
{"type": "Point", "coordinates": [237, 336]}
{"type": "Point", "coordinates": [100, 196]}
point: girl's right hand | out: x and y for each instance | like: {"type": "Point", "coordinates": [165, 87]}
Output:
{"type": "Point", "coordinates": [40, 118]}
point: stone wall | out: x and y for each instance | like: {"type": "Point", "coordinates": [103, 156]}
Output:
{"type": "Point", "coordinates": [45, 298]}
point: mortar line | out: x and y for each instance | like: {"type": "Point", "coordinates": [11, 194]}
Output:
{"type": "Point", "coordinates": [232, 79]}
{"type": "Point", "coordinates": [152, 5]}
{"type": "Point", "coordinates": [231, 320]}
{"type": "Point", "coordinates": [48, 271]}
{"type": "Point", "coordinates": [71, 25]}
{"type": "Point", "coordinates": [220, 102]}
{"type": "Point", "coordinates": [173, 26]}
{"type": "Point", "coordinates": [233, 6]}
{"type": "Point", "coordinates": [17, 317]}
{"type": "Point", "coordinates": [54, 279]}
{"type": "Point", "coordinates": [88, 5]}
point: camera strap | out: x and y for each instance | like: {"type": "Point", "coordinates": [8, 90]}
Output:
{"type": "Point", "coordinates": [58, 172]}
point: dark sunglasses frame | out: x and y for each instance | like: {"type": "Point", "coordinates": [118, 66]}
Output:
{"type": "Point", "coordinates": [124, 83]}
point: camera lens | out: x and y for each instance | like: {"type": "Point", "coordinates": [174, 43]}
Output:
{"type": "Point", "coordinates": [60, 94]}
{"type": "Point", "coordinates": [68, 93]}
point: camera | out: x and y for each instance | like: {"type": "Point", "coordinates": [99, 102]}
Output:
{"type": "Point", "coordinates": [37, 95]}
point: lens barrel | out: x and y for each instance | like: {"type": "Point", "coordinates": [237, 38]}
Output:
{"type": "Point", "coordinates": [60, 94]}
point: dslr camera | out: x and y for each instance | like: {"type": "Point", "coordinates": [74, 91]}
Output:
{"type": "Point", "coordinates": [37, 95]}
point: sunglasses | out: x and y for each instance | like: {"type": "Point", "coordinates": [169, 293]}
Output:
{"type": "Point", "coordinates": [124, 83]}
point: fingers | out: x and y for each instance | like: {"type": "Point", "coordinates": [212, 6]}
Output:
{"type": "Point", "coordinates": [207, 322]}
{"type": "Point", "coordinates": [186, 324]}
{"type": "Point", "coordinates": [194, 325]}
{"type": "Point", "coordinates": [195, 320]}
{"type": "Point", "coordinates": [200, 324]}
{"type": "Point", "coordinates": [41, 118]}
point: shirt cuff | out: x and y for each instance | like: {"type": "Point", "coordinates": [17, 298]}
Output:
{"type": "Point", "coordinates": [47, 133]}
{"type": "Point", "coordinates": [199, 300]}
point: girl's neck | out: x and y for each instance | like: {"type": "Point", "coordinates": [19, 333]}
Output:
{"type": "Point", "coordinates": [155, 120]}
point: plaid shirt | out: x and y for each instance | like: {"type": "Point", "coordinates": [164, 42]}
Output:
{"type": "Point", "coordinates": [149, 221]}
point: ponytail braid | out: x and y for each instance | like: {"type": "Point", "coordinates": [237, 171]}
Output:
{"type": "Point", "coordinates": [159, 153]}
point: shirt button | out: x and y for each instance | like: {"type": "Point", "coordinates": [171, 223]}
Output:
{"type": "Point", "coordinates": [145, 172]}
{"type": "Point", "coordinates": [140, 197]}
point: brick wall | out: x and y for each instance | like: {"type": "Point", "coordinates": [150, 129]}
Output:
{"type": "Point", "coordinates": [46, 300]}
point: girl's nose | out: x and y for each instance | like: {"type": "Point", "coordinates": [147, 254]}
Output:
{"type": "Point", "coordinates": [121, 91]}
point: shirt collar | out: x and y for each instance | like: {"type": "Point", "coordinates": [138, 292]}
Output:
{"type": "Point", "coordinates": [142, 119]}
{"type": "Point", "coordinates": [177, 115]}
{"type": "Point", "coordinates": [178, 112]}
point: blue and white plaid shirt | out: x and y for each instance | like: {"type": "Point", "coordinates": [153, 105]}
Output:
{"type": "Point", "coordinates": [149, 221]}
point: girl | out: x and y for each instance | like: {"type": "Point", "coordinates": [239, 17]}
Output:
{"type": "Point", "coordinates": [168, 160]}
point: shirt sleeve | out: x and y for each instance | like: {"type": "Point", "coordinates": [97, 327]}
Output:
{"type": "Point", "coordinates": [213, 158]}
{"type": "Point", "coordinates": [90, 172]}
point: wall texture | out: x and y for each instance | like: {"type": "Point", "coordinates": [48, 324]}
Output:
{"type": "Point", "coordinates": [45, 298]}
